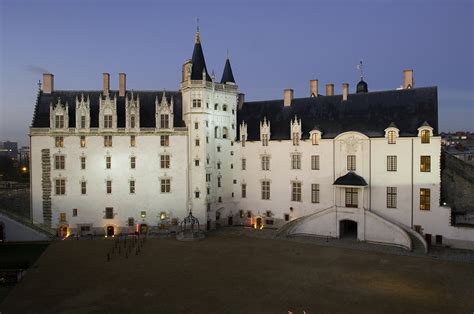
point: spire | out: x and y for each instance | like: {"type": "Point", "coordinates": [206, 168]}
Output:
{"type": "Point", "coordinates": [227, 76]}
{"type": "Point", "coordinates": [199, 64]}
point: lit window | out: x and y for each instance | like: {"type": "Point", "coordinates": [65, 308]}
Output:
{"type": "Point", "coordinates": [165, 140]}
{"type": "Point", "coordinates": [391, 163]}
{"type": "Point", "coordinates": [314, 193]}
{"type": "Point", "coordinates": [162, 215]}
{"type": "Point", "coordinates": [107, 121]}
{"type": "Point", "coordinates": [391, 197]}
{"type": "Point", "coordinates": [165, 161]}
{"type": "Point", "coordinates": [132, 186]}
{"type": "Point", "coordinates": [314, 139]}
{"type": "Point", "coordinates": [296, 191]}
{"type": "Point", "coordinates": [62, 217]}
{"type": "Point", "coordinates": [143, 214]}
{"type": "Point", "coordinates": [351, 162]}
{"type": "Point", "coordinates": [59, 141]}
{"type": "Point", "coordinates": [296, 161]}
{"type": "Point", "coordinates": [165, 185]}
{"type": "Point", "coordinates": [425, 163]}
{"type": "Point", "coordinates": [296, 139]}
{"type": "Point", "coordinates": [425, 199]}
{"type": "Point", "coordinates": [315, 162]}
{"type": "Point", "coordinates": [83, 141]}
{"type": "Point", "coordinates": [425, 137]}
{"type": "Point", "coordinates": [108, 140]}
{"type": "Point", "coordinates": [265, 190]}
{"type": "Point", "coordinates": [391, 137]}
{"type": "Point", "coordinates": [60, 186]}
{"type": "Point", "coordinates": [132, 141]}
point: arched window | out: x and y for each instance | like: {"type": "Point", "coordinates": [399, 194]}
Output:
{"type": "Point", "coordinates": [224, 132]}
{"type": "Point", "coordinates": [224, 107]}
{"type": "Point", "coordinates": [132, 121]}
{"type": "Point", "coordinates": [216, 132]}
{"type": "Point", "coordinates": [425, 137]}
{"type": "Point", "coordinates": [216, 106]}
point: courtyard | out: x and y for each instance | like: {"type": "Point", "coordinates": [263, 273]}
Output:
{"type": "Point", "coordinates": [234, 273]}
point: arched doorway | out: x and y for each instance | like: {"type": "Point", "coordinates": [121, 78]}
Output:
{"type": "Point", "coordinates": [63, 231]}
{"type": "Point", "coordinates": [258, 223]}
{"type": "Point", "coordinates": [143, 229]}
{"type": "Point", "coordinates": [347, 229]}
{"type": "Point", "coordinates": [230, 220]}
{"type": "Point", "coordinates": [110, 231]}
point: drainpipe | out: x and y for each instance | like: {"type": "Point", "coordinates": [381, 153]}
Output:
{"type": "Point", "coordinates": [412, 183]}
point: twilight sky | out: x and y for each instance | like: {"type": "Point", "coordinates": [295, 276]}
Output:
{"type": "Point", "coordinates": [273, 45]}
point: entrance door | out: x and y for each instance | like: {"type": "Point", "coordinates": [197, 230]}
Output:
{"type": "Point", "coordinates": [230, 221]}
{"type": "Point", "coordinates": [258, 223]}
{"type": "Point", "coordinates": [110, 231]}
{"type": "Point", "coordinates": [2, 231]}
{"type": "Point", "coordinates": [143, 228]}
{"type": "Point", "coordinates": [351, 197]}
{"type": "Point", "coordinates": [63, 231]}
{"type": "Point", "coordinates": [347, 229]}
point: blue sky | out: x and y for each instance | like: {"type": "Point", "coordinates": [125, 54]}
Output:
{"type": "Point", "coordinates": [273, 45]}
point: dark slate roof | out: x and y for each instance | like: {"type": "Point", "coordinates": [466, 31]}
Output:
{"type": "Point", "coordinates": [350, 178]}
{"type": "Point", "coordinates": [147, 107]}
{"type": "Point", "coordinates": [199, 63]}
{"type": "Point", "coordinates": [227, 76]}
{"type": "Point", "coordinates": [367, 113]}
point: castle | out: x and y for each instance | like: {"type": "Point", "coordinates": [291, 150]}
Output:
{"type": "Point", "coordinates": [364, 164]}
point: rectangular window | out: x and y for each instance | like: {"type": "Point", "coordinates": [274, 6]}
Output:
{"type": "Point", "coordinates": [391, 137]}
{"type": "Point", "coordinates": [133, 162]}
{"type": "Point", "coordinates": [196, 194]}
{"type": "Point", "coordinates": [59, 121]}
{"type": "Point", "coordinates": [219, 182]}
{"type": "Point", "coordinates": [83, 163]}
{"type": "Point", "coordinates": [109, 213]}
{"type": "Point", "coordinates": [132, 121]}
{"type": "Point", "coordinates": [314, 139]}
{"type": "Point", "coordinates": [164, 121]}
{"type": "Point", "coordinates": [314, 193]}
{"type": "Point", "coordinates": [197, 142]}
{"type": "Point", "coordinates": [59, 141]}
{"type": "Point", "coordinates": [107, 121]}
{"type": "Point", "coordinates": [265, 162]}
{"type": "Point", "coordinates": [244, 164]}
{"type": "Point", "coordinates": [108, 162]}
{"type": "Point", "coordinates": [108, 141]}
{"type": "Point", "coordinates": [243, 141]}
{"type": "Point", "coordinates": [59, 162]}
{"type": "Point", "coordinates": [83, 122]}
{"type": "Point", "coordinates": [391, 163]}
{"type": "Point", "coordinates": [351, 162]}
{"type": "Point", "coordinates": [244, 190]}
{"type": "Point", "coordinates": [60, 186]}
{"type": "Point", "coordinates": [62, 217]}
{"type": "Point", "coordinates": [108, 186]}
{"type": "Point", "coordinates": [74, 212]}
{"type": "Point", "coordinates": [425, 137]}
{"type": "Point", "coordinates": [196, 162]}
{"type": "Point", "coordinates": [296, 191]}
{"type": "Point", "coordinates": [131, 222]}
{"type": "Point", "coordinates": [165, 185]}
{"type": "Point", "coordinates": [425, 163]}
{"type": "Point", "coordinates": [351, 197]}
{"type": "Point", "coordinates": [425, 199]}
{"type": "Point", "coordinates": [315, 162]}
{"type": "Point", "coordinates": [264, 139]}
{"type": "Point", "coordinates": [132, 186]}
{"type": "Point", "coordinates": [218, 165]}
{"type": "Point", "coordinates": [296, 139]}
{"type": "Point", "coordinates": [165, 140]}
{"type": "Point", "coordinates": [391, 197]}
{"type": "Point", "coordinates": [208, 177]}
{"type": "Point", "coordinates": [196, 103]}
{"type": "Point", "coordinates": [83, 187]}
{"type": "Point", "coordinates": [196, 125]}
{"type": "Point", "coordinates": [265, 190]}
{"type": "Point", "coordinates": [165, 161]}
{"type": "Point", "coordinates": [83, 141]}
{"type": "Point", "coordinates": [132, 141]}
{"type": "Point", "coordinates": [295, 161]}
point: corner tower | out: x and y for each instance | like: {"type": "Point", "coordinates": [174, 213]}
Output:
{"type": "Point", "coordinates": [209, 111]}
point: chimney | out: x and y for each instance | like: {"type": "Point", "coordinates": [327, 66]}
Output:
{"type": "Point", "coordinates": [408, 79]}
{"type": "Point", "coordinates": [313, 88]}
{"type": "Point", "coordinates": [287, 96]}
{"type": "Point", "coordinates": [345, 91]}
{"type": "Point", "coordinates": [122, 84]}
{"type": "Point", "coordinates": [329, 89]}
{"type": "Point", "coordinates": [240, 100]}
{"type": "Point", "coordinates": [106, 83]}
{"type": "Point", "coordinates": [48, 83]}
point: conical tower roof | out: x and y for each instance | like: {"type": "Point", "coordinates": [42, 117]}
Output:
{"type": "Point", "coordinates": [199, 64]}
{"type": "Point", "coordinates": [227, 76]}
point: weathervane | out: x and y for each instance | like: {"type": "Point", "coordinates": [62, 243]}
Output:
{"type": "Point", "coordinates": [359, 67]}
{"type": "Point", "coordinates": [197, 24]}
{"type": "Point", "coordinates": [197, 40]}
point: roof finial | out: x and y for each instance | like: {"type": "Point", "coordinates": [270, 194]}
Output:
{"type": "Point", "coordinates": [359, 67]}
{"type": "Point", "coordinates": [197, 40]}
{"type": "Point", "coordinates": [227, 53]}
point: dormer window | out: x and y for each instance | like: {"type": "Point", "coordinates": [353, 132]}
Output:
{"type": "Point", "coordinates": [59, 121]}
{"type": "Point", "coordinates": [425, 137]}
{"type": "Point", "coordinates": [164, 121]}
{"type": "Point", "coordinates": [83, 121]}
{"type": "Point", "coordinates": [264, 139]}
{"type": "Point", "coordinates": [392, 137]}
{"type": "Point", "coordinates": [264, 131]}
{"type": "Point", "coordinates": [296, 139]}
{"type": "Point", "coordinates": [314, 139]}
{"type": "Point", "coordinates": [132, 121]}
{"type": "Point", "coordinates": [107, 121]}
{"type": "Point", "coordinates": [295, 128]}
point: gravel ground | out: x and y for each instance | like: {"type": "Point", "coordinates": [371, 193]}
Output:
{"type": "Point", "coordinates": [239, 271]}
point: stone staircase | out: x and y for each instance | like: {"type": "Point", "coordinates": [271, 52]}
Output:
{"type": "Point", "coordinates": [26, 222]}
